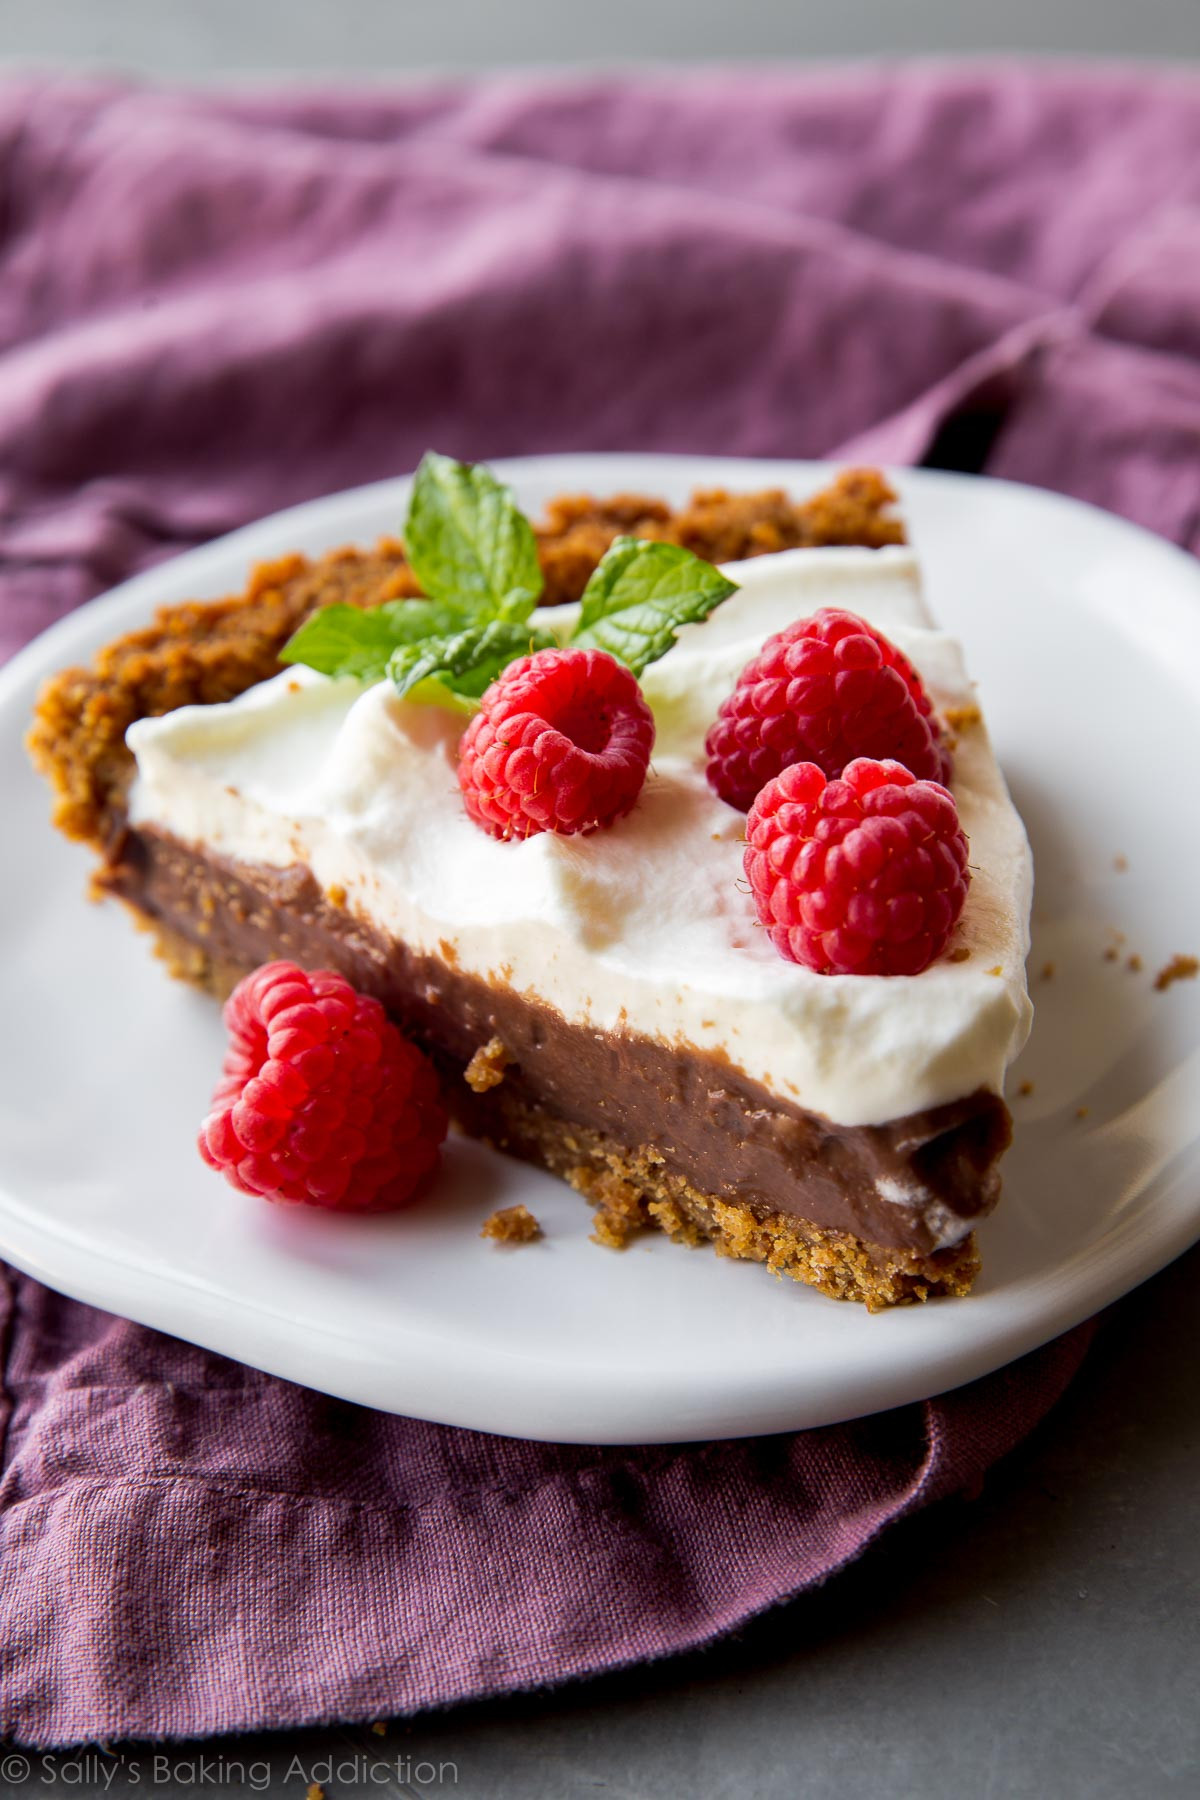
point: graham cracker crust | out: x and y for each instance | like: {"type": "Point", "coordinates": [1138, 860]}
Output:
{"type": "Point", "coordinates": [632, 1190]}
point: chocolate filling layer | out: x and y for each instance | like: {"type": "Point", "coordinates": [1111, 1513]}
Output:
{"type": "Point", "coordinates": [916, 1183]}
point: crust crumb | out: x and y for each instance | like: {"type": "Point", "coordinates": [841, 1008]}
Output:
{"type": "Point", "coordinates": [1135, 963]}
{"type": "Point", "coordinates": [336, 895]}
{"type": "Point", "coordinates": [1048, 971]}
{"type": "Point", "coordinates": [486, 1068]}
{"type": "Point", "coordinates": [1025, 1089]}
{"type": "Point", "coordinates": [314, 1791]}
{"type": "Point", "coordinates": [959, 955]}
{"type": "Point", "coordinates": [1120, 863]}
{"type": "Point", "coordinates": [1081, 1112]}
{"type": "Point", "coordinates": [1180, 968]}
{"type": "Point", "coordinates": [379, 1727]}
{"type": "Point", "coordinates": [961, 718]}
{"type": "Point", "coordinates": [613, 1230]}
{"type": "Point", "coordinates": [619, 1216]}
{"type": "Point", "coordinates": [510, 1225]}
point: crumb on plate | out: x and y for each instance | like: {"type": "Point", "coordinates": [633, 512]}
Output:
{"type": "Point", "coordinates": [1180, 968]}
{"type": "Point", "coordinates": [511, 1225]}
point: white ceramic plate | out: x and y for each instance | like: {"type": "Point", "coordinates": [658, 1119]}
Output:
{"type": "Point", "coordinates": [1084, 635]}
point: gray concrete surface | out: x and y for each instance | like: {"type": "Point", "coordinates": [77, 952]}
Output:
{"type": "Point", "coordinates": [1041, 1642]}
{"type": "Point", "coordinates": [198, 39]}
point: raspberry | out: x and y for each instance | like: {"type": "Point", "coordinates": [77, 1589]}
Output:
{"type": "Point", "coordinates": [826, 690]}
{"type": "Point", "coordinates": [321, 1100]}
{"type": "Point", "coordinates": [561, 742]}
{"type": "Point", "coordinates": [862, 876]}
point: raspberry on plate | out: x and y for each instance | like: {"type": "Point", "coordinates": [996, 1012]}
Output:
{"type": "Point", "coordinates": [862, 876]}
{"type": "Point", "coordinates": [561, 743]}
{"type": "Point", "coordinates": [825, 690]}
{"type": "Point", "coordinates": [321, 1102]}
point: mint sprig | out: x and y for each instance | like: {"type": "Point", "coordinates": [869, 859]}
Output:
{"type": "Point", "coordinates": [475, 554]}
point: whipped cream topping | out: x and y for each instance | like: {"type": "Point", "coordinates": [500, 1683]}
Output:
{"type": "Point", "coordinates": [645, 927]}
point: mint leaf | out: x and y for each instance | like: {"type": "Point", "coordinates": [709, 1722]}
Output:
{"type": "Point", "coordinates": [518, 603]}
{"type": "Point", "coordinates": [454, 670]}
{"type": "Point", "coordinates": [640, 595]}
{"type": "Point", "coordinates": [466, 541]}
{"type": "Point", "coordinates": [355, 640]}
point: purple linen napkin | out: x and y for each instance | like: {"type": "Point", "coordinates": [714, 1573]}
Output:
{"type": "Point", "coordinates": [214, 305]}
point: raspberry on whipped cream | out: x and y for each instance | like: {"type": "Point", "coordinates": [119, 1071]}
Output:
{"type": "Point", "coordinates": [826, 690]}
{"type": "Point", "coordinates": [561, 742]}
{"type": "Point", "coordinates": [866, 875]}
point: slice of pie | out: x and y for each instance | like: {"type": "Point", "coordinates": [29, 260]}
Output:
{"type": "Point", "coordinates": [605, 1005]}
